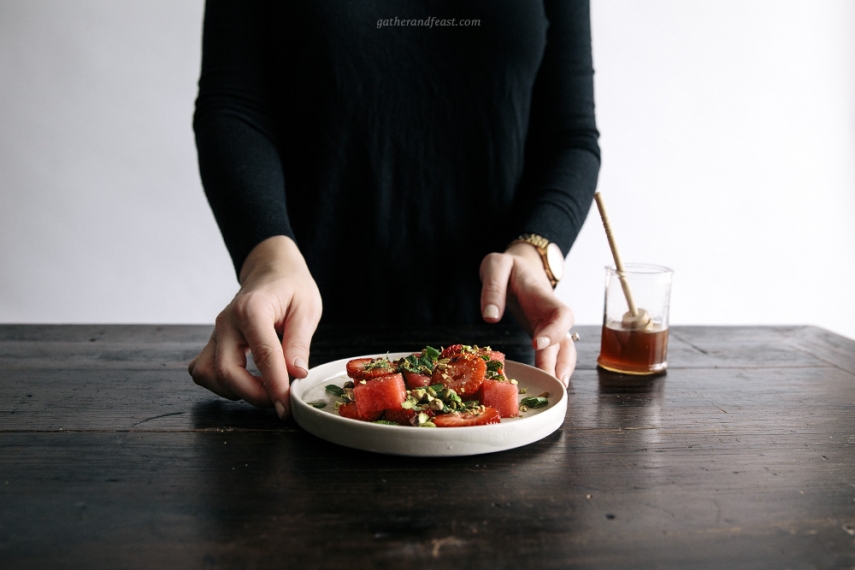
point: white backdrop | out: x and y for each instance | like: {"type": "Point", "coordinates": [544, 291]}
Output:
{"type": "Point", "coordinates": [728, 139]}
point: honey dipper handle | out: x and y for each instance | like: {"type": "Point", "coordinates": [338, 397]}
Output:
{"type": "Point", "coordinates": [613, 245]}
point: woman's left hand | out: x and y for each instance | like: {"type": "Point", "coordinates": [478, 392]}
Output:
{"type": "Point", "coordinates": [517, 281]}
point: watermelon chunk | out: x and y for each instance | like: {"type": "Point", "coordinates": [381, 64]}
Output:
{"type": "Point", "coordinates": [500, 395]}
{"type": "Point", "coordinates": [349, 411]}
{"type": "Point", "coordinates": [415, 380]}
{"type": "Point", "coordinates": [384, 393]}
{"type": "Point", "coordinates": [496, 355]}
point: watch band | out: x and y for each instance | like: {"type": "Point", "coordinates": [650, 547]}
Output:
{"type": "Point", "coordinates": [541, 244]}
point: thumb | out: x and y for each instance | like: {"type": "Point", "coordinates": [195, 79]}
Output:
{"type": "Point", "coordinates": [495, 272]}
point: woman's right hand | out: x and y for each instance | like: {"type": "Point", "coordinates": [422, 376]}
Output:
{"type": "Point", "coordinates": [277, 296]}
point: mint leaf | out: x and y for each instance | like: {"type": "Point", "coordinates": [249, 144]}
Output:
{"type": "Point", "coordinates": [430, 353]}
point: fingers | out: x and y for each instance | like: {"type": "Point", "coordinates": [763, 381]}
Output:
{"type": "Point", "coordinates": [201, 369]}
{"type": "Point", "coordinates": [566, 362]}
{"type": "Point", "coordinates": [545, 359]}
{"type": "Point", "coordinates": [205, 358]}
{"type": "Point", "coordinates": [257, 323]}
{"type": "Point", "coordinates": [558, 359]}
{"type": "Point", "coordinates": [554, 350]}
{"type": "Point", "coordinates": [276, 286]}
{"type": "Point", "coordinates": [221, 366]}
{"type": "Point", "coordinates": [551, 330]}
{"type": "Point", "coordinates": [519, 276]}
{"type": "Point", "coordinates": [230, 368]}
{"type": "Point", "coordinates": [296, 339]}
{"type": "Point", "coordinates": [495, 273]}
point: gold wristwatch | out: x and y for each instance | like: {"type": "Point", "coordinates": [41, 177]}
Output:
{"type": "Point", "coordinates": [550, 254]}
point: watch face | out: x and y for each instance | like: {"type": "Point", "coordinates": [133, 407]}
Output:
{"type": "Point", "coordinates": [555, 259]}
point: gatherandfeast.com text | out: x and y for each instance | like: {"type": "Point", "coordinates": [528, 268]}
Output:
{"type": "Point", "coordinates": [432, 22]}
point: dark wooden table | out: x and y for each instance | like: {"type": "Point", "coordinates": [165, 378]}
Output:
{"type": "Point", "coordinates": [742, 456]}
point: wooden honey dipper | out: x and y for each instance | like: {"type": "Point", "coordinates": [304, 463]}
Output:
{"type": "Point", "coordinates": [636, 318]}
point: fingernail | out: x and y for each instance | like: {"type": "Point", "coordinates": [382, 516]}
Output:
{"type": "Point", "coordinates": [302, 365]}
{"type": "Point", "coordinates": [280, 410]}
{"type": "Point", "coordinates": [541, 342]}
{"type": "Point", "coordinates": [491, 312]}
{"type": "Point", "coordinates": [565, 380]}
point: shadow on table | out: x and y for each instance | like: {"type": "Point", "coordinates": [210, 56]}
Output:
{"type": "Point", "coordinates": [225, 414]}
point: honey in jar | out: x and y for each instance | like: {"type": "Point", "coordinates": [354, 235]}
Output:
{"type": "Point", "coordinates": [633, 351]}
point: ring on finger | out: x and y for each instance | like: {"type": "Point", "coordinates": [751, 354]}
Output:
{"type": "Point", "coordinates": [574, 336]}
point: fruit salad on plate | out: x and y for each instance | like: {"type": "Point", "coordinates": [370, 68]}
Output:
{"type": "Point", "coordinates": [457, 386]}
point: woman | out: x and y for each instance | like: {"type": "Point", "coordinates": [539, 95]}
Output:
{"type": "Point", "coordinates": [392, 162]}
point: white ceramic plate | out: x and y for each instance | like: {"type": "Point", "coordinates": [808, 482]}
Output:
{"type": "Point", "coordinates": [325, 423]}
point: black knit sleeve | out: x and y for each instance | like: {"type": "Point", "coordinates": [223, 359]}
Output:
{"type": "Point", "coordinates": [236, 140]}
{"type": "Point", "coordinates": [562, 154]}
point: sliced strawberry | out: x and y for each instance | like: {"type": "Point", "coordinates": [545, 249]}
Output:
{"type": "Point", "coordinates": [380, 367]}
{"type": "Point", "coordinates": [483, 352]}
{"type": "Point", "coordinates": [415, 380]}
{"type": "Point", "coordinates": [463, 373]}
{"type": "Point", "coordinates": [450, 351]}
{"type": "Point", "coordinates": [350, 411]}
{"type": "Point", "coordinates": [465, 419]}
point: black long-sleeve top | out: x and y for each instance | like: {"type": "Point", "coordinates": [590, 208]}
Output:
{"type": "Point", "coordinates": [397, 155]}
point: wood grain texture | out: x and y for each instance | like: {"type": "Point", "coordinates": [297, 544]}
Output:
{"type": "Point", "coordinates": [742, 456]}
